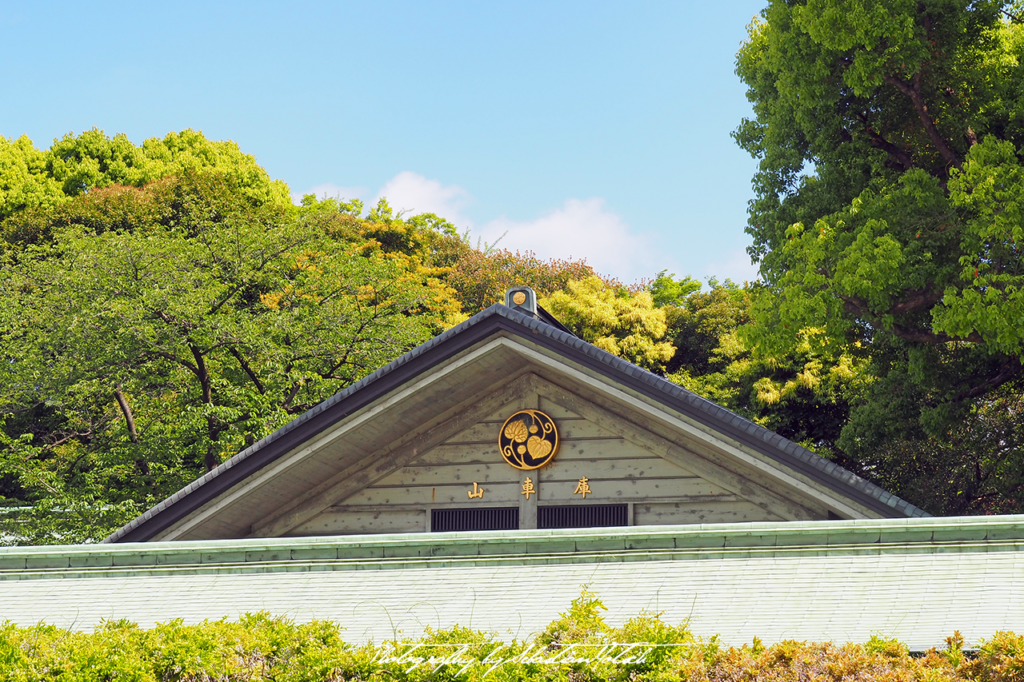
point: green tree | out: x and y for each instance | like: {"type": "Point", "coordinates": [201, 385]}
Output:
{"type": "Point", "coordinates": [666, 290]}
{"type": "Point", "coordinates": [698, 322]}
{"type": "Point", "coordinates": [803, 393]}
{"type": "Point", "coordinates": [480, 278]}
{"type": "Point", "coordinates": [614, 319]}
{"type": "Point", "coordinates": [23, 178]}
{"type": "Point", "coordinates": [888, 213]}
{"type": "Point", "coordinates": [78, 163]}
{"type": "Point", "coordinates": [149, 334]}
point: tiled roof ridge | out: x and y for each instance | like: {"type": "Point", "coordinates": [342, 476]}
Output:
{"type": "Point", "coordinates": [786, 448]}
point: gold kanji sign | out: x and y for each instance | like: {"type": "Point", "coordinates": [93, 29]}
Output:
{"type": "Point", "coordinates": [528, 488]}
{"type": "Point", "coordinates": [583, 488]}
{"type": "Point", "coordinates": [528, 440]}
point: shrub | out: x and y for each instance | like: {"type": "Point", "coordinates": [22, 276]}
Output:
{"type": "Point", "coordinates": [576, 647]}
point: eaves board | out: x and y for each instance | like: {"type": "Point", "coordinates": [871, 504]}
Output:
{"type": "Point", "coordinates": [496, 320]}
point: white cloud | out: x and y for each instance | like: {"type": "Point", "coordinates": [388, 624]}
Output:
{"type": "Point", "coordinates": [736, 266]}
{"type": "Point", "coordinates": [329, 190]}
{"type": "Point", "coordinates": [580, 228]}
{"type": "Point", "coordinates": [411, 193]}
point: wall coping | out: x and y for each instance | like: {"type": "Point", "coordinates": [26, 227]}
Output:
{"type": "Point", "coordinates": [579, 545]}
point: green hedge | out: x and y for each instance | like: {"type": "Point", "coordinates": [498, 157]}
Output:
{"type": "Point", "coordinates": [261, 647]}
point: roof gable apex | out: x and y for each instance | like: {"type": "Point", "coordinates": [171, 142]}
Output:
{"type": "Point", "coordinates": [461, 342]}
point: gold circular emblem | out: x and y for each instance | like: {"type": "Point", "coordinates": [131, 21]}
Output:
{"type": "Point", "coordinates": [519, 298]}
{"type": "Point", "coordinates": [528, 440]}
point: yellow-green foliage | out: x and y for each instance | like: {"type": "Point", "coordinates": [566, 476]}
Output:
{"type": "Point", "coordinates": [614, 319]}
{"type": "Point", "coordinates": [583, 622]}
{"type": "Point", "coordinates": [260, 647]}
{"type": "Point", "coordinates": [76, 164]}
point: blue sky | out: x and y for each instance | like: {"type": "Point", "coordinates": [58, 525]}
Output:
{"type": "Point", "coordinates": [587, 129]}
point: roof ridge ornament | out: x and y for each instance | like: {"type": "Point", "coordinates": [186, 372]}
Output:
{"type": "Point", "coordinates": [523, 299]}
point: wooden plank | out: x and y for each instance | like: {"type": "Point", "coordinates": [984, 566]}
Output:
{"type": "Point", "coordinates": [528, 400]}
{"type": "Point", "coordinates": [706, 464]}
{"type": "Point", "coordinates": [554, 410]}
{"type": "Point", "coordinates": [618, 490]}
{"type": "Point", "coordinates": [441, 494]}
{"type": "Point", "coordinates": [462, 453]}
{"type": "Point", "coordinates": [659, 514]}
{"type": "Point", "coordinates": [534, 400]}
{"type": "Point", "coordinates": [582, 450]}
{"type": "Point", "coordinates": [614, 449]}
{"type": "Point", "coordinates": [451, 474]}
{"type": "Point", "coordinates": [646, 478]}
{"type": "Point", "coordinates": [343, 522]}
{"type": "Point", "coordinates": [475, 467]}
{"type": "Point", "coordinates": [599, 448]}
{"type": "Point", "coordinates": [371, 469]}
{"type": "Point", "coordinates": [568, 429]}
{"type": "Point", "coordinates": [650, 466]}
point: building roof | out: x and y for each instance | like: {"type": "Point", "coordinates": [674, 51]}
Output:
{"type": "Point", "coordinates": [914, 579]}
{"type": "Point", "coordinates": [501, 320]}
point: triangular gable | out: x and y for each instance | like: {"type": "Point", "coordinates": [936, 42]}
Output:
{"type": "Point", "coordinates": [619, 461]}
{"type": "Point", "coordinates": [331, 463]}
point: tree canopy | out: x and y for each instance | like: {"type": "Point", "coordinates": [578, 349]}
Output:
{"type": "Point", "coordinates": [165, 306]}
{"type": "Point", "coordinates": [140, 354]}
{"type": "Point", "coordinates": [888, 217]}
{"type": "Point", "coordinates": [77, 163]}
{"type": "Point", "coordinates": [614, 319]}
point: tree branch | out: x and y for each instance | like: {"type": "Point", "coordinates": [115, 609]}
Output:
{"type": "Point", "coordinates": [1011, 368]}
{"type": "Point", "coordinates": [202, 374]}
{"type": "Point", "coordinates": [140, 464]}
{"type": "Point", "coordinates": [248, 370]}
{"type": "Point", "coordinates": [176, 360]}
{"type": "Point", "coordinates": [259, 268]}
{"type": "Point", "coordinates": [918, 335]}
{"type": "Point", "coordinates": [920, 298]}
{"type": "Point", "coordinates": [286, 405]}
{"type": "Point", "coordinates": [915, 298]}
{"type": "Point", "coordinates": [912, 90]}
{"type": "Point", "coordinates": [858, 307]}
{"type": "Point", "coordinates": [65, 439]}
{"type": "Point", "coordinates": [212, 431]}
{"type": "Point", "coordinates": [129, 419]}
{"type": "Point", "coordinates": [879, 142]}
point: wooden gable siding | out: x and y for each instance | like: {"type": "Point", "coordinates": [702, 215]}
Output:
{"type": "Point", "coordinates": [657, 491]}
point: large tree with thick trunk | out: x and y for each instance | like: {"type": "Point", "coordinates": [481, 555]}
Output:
{"type": "Point", "coordinates": [889, 215]}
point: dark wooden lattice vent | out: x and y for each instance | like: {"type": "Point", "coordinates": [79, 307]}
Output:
{"type": "Point", "coordinates": [492, 518]}
{"type": "Point", "coordinates": [583, 516]}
